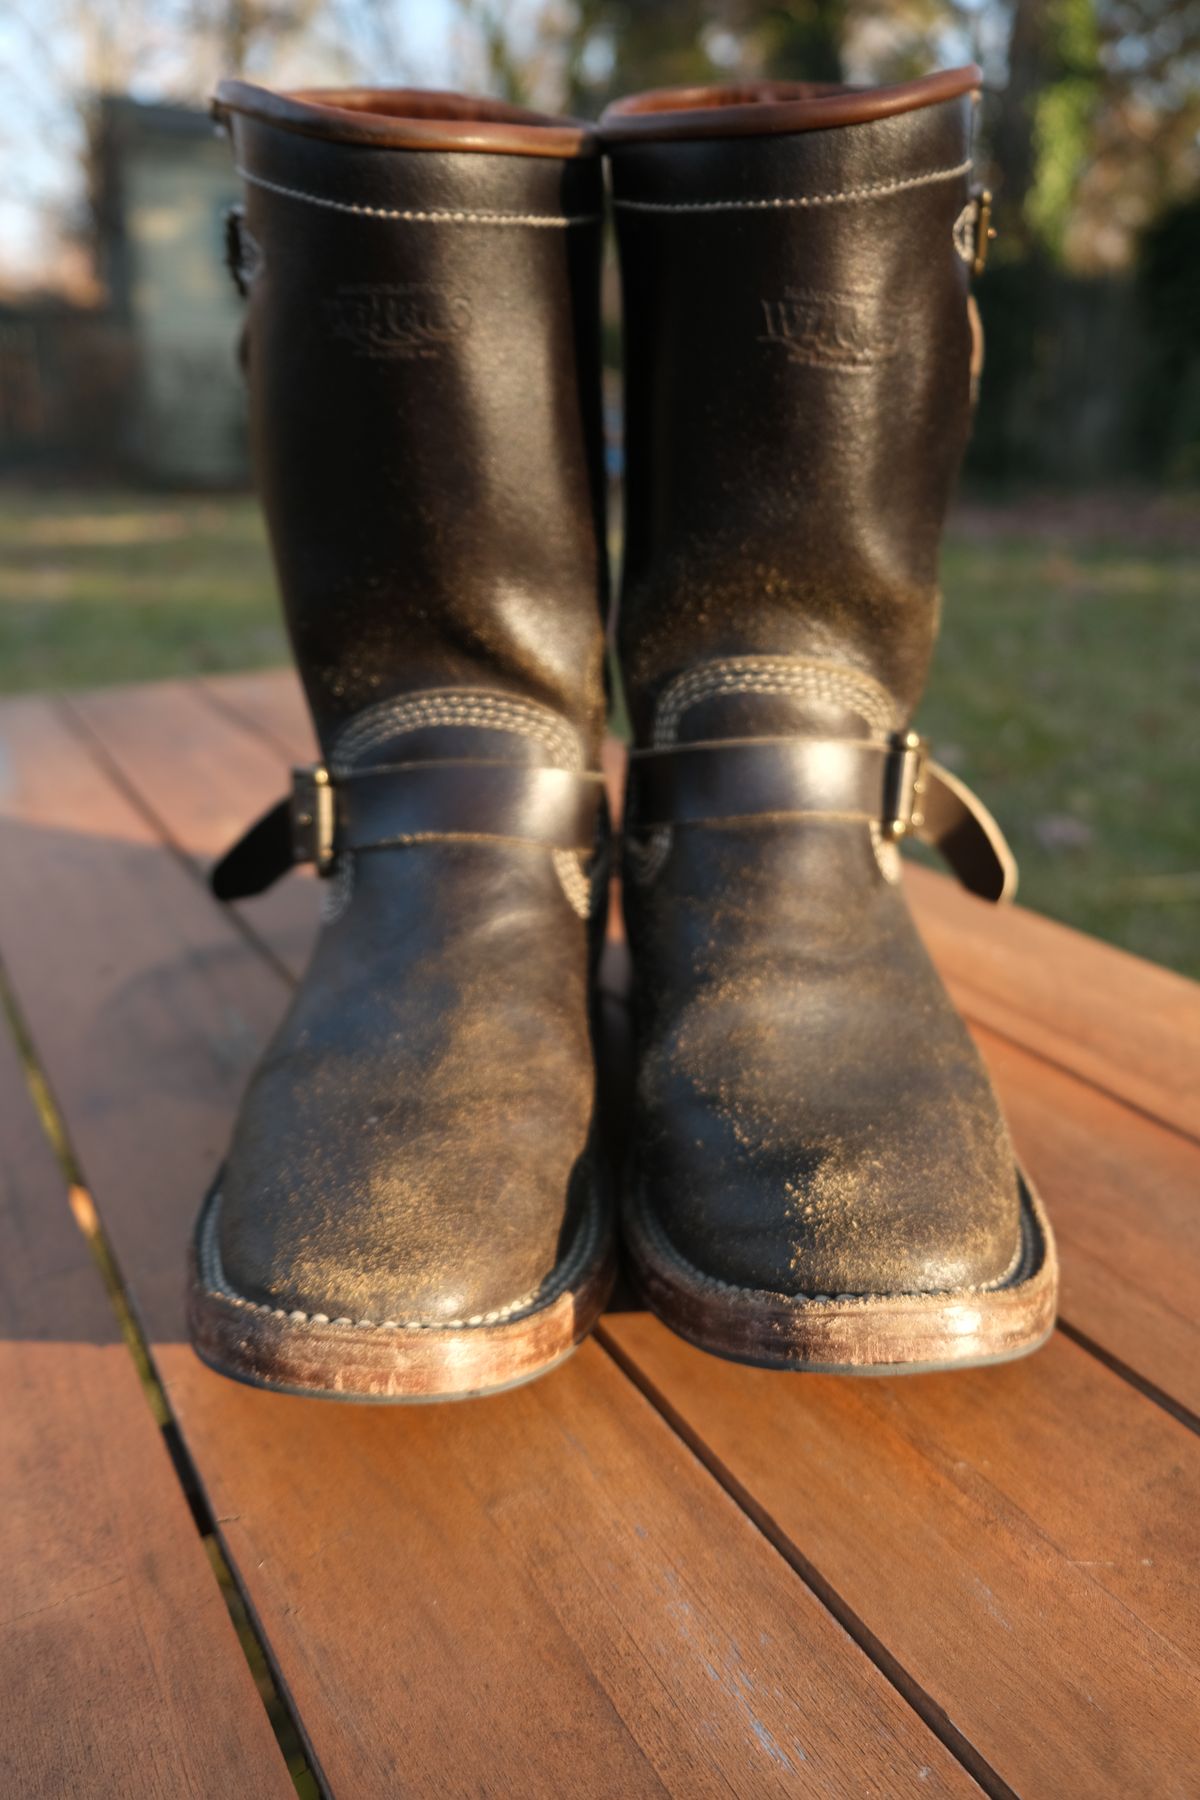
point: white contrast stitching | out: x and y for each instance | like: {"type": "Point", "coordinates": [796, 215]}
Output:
{"type": "Point", "coordinates": [453, 707]}
{"type": "Point", "coordinates": [793, 202]}
{"type": "Point", "coordinates": [485, 710]}
{"type": "Point", "coordinates": [771, 675]}
{"type": "Point", "coordinates": [752, 675]}
{"type": "Point", "coordinates": [431, 216]}
{"type": "Point", "coordinates": [568, 866]}
{"type": "Point", "coordinates": [213, 1275]}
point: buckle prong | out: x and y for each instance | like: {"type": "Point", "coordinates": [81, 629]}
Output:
{"type": "Point", "coordinates": [314, 817]}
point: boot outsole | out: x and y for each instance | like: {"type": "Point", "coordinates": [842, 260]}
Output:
{"type": "Point", "coordinates": [291, 1353]}
{"type": "Point", "coordinates": [853, 1334]}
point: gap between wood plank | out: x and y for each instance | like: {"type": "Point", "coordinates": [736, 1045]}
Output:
{"type": "Point", "coordinates": [98, 750]}
{"type": "Point", "coordinates": [280, 1717]}
{"type": "Point", "coordinates": [1148, 1389]}
{"type": "Point", "coordinates": [963, 998]}
{"type": "Point", "coordinates": [873, 1647]}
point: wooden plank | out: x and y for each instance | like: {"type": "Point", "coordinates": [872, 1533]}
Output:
{"type": "Point", "coordinates": [120, 1670]}
{"type": "Point", "coordinates": [1122, 1191]}
{"type": "Point", "coordinates": [270, 702]}
{"type": "Point", "coordinates": [1023, 1540]}
{"type": "Point", "coordinates": [218, 783]}
{"type": "Point", "coordinates": [505, 1595]}
{"type": "Point", "coordinates": [512, 1595]}
{"type": "Point", "coordinates": [1127, 1025]}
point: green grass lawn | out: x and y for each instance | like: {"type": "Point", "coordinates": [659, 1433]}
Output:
{"type": "Point", "coordinates": [1066, 688]}
{"type": "Point", "coordinates": [103, 587]}
{"type": "Point", "coordinates": [1067, 691]}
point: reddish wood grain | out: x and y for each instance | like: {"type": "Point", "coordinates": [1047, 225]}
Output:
{"type": "Point", "coordinates": [1016, 1544]}
{"type": "Point", "coordinates": [270, 703]}
{"type": "Point", "coordinates": [1123, 1193]}
{"type": "Point", "coordinates": [218, 782]}
{"type": "Point", "coordinates": [1023, 1540]}
{"type": "Point", "coordinates": [119, 1668]}
{"type": "Point", "coordinates": [1128, 1026]}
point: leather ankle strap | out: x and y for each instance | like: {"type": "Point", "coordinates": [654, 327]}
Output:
{"type": "Point", "coordinates": [375, 809]}
{"type": "Point", "coordinates": [892, 784]}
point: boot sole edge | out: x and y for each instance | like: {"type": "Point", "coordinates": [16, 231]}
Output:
{"type": "Point", "coordinates": [394, 1365]}
{"type": "Point", "coordinates": [875, 1334]}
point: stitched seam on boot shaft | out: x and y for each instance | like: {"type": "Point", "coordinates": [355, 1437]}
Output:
{"type": "Point", "coordinates": [217, 1285]}
{"type": "Point", "coordinates": [791, 202]}
{"type": "Point", "coordinates": [430, 216]}
{"type": "Point", "coordinates": [771, 675]}
{"type": "Point", "coordinates": [452, 707]}
{"type": "Point", "coordinates": [1023, 1263]}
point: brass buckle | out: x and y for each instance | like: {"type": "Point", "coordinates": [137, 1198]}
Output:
{"type": "Point", "coordinates": [314, 817]}
{"type": "Point", "coordinates": [985, 231]}
{"type": "Point", "coordinates": [905, 784]}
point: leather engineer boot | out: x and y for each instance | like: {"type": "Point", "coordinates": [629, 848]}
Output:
{"type": "Point", "coordinates": [820, 1176]}
{"type": "Point", "coordinates": [412, 1206]}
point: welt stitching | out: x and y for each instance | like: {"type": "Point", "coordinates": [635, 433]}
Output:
{"type": "Point", "coordinates": [414, 216]}
{"type": "Point", "coordinates": [219, 1286]}
{"type": "Point", "coordinates": [794, 202]}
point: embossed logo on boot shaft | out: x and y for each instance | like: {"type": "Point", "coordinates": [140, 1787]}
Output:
{"type": "Point", "coordinates": [384, 321]}
{"type": "Point", "coordinates": [830, 331]}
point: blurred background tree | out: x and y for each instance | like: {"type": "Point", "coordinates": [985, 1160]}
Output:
{"type": "Point", "coordinates": [1090, 136]}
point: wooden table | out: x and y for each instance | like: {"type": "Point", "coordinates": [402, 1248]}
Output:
{"type": "Point", "coordinates": [651, 1573]}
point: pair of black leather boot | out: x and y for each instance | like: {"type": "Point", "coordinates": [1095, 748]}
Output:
{"type": "Point", "coordinates": [419, 1200]}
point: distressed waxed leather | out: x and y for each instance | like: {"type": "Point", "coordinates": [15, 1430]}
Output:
{"type": "Point", "coordinates": [810, 1116]}
{"type": "Point", "coordinates": [422, 360]}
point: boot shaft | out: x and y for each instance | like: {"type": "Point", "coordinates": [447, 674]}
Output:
{"type": "Point", "coordinates": [423, 368]}
{"type": "Point", "coordinates": [795, 267]}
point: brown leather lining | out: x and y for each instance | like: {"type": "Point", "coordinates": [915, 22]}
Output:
{"type": "Point", "coordinates": [754, 109]}
{"type": "Point", "coordinates": [408, 119]}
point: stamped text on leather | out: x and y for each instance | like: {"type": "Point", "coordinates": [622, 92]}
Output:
{"type": "Point", "coordinates": [384, 321]}
{"type": "Point", "coordinates": [835, 331]}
